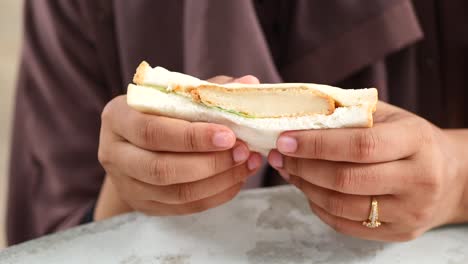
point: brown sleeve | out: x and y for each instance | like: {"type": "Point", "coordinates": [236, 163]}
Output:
{"type": "Point", "coordinates": [55, 176]}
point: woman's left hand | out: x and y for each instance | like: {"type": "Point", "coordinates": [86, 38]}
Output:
{"type": "Point", "coordinates": [410, 166]}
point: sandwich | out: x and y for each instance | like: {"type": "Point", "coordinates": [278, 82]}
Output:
{"type": "Point", "coordinates": [257, 113]}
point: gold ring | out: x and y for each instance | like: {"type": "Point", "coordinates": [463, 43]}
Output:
{"type": "Point", "coordinates": [373, 220]}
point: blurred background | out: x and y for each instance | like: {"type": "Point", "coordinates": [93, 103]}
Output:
{"type": "Point", "coordinates": [10, 42]}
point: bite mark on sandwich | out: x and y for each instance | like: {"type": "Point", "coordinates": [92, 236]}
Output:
{"type": "Point", "coordinates": [140, 73]}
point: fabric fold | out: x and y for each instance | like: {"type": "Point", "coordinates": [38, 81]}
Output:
{"type": "Point", "coordinates": [224, 37]}
{"type": "Point", "coordinates": [337, 58]}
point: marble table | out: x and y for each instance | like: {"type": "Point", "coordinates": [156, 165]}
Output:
{"type": "Point", "coordinates": [259, 226]}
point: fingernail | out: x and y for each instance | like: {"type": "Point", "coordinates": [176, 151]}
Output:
{"type": "Point", "coordinates": [285, 175]}
{"type": "Point", "coordinates": [240, 153]}
{"type": "Point", "coordinates": [276, 159]}
{"type": "Point", "coordinates": [253, 162]}
{"type": "Point", "coordinates": [287, 144]}
{"type": "Point", "coordinates": [223, 139]}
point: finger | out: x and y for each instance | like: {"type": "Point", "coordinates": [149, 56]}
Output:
{"type": "Point", "coordinates": [352, 207]}
{"type": "Point", "coordinates": [160, 133]}
{"type": "Point", "coordinates": [384, 142]}
{"type": "Point", "coordinates": [386, 232]}
{"type": "Point", "coordinates": [390, 113]}
{"type": "Point", "coordinates": [187, 192]}
{"type": "Point", "coordinates": [221, 79]}
{"type": "Point", "coordinates": [161, 209]}
{"type": "Point", "coordinates": [247, 79]}
{"type": "Point", "coordinates": [166, 168]}
{"type": "Point", "coordinates": [344, 177]}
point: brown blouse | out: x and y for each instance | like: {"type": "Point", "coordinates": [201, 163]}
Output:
{"type": "Point", "coordinates": [79, 54]}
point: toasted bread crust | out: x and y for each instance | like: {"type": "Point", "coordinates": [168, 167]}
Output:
{"type": "Point", "coordinates": [140, 73]}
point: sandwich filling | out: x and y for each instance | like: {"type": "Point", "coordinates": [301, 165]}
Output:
{"type": "Point", "coordinates": [264, 103]}
{"type": "Point", "coordinates": [249, 101]}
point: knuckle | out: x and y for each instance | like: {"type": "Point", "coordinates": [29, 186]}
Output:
{"type": "Point", "coordinates": [150, 132]}
{"type": "Point", "coordinates": [186, 193]}
{"type": "Point", "coordinates": [430, 182]}
{"type": "Point", "coordinates": [190, 138]}
{"type": "Point", "coordinates": [215, 162]}
{"type": "Point", "coordinates": [364, 144]}
{"type": "Point", "coordinates": [344, 180]}
{"type": "Point", "coordinates": [335, 205]}
{"type": "Point", "coordinates": [422, 216]}
{"type": "Point", "coordinates": [352, 179]}
{"type": "Point", "coordinates": [316, 145]}
{"type": "Point", "coordinates": [160, 172]}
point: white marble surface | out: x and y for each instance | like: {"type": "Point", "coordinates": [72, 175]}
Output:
{"type": "Point", "coordinates": [259, 226]}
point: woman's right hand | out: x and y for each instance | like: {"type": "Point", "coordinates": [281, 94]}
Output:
{"type": "Point", "coordinates": [163, 166]}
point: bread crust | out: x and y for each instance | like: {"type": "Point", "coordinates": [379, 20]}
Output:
{"type": "Point", "coordinates": [140, 73]}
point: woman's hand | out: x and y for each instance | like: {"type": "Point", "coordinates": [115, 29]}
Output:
{"type": "Point", "coordinates": [410, 166]}
{"type": "Point", "coordinates": [164, 166]}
